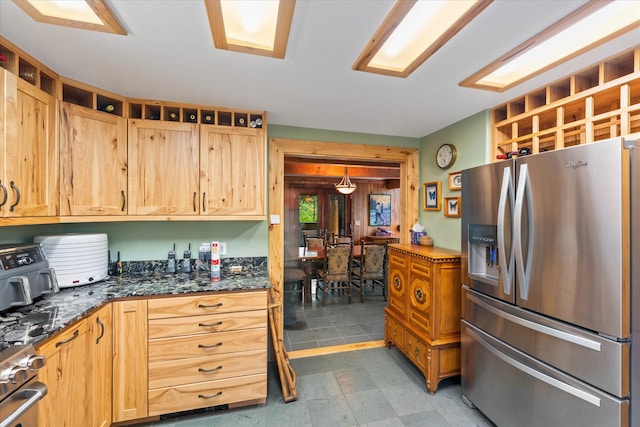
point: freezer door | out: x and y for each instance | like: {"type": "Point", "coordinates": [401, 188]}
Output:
{"type": "Point", "coordinates": [598, 361]}
{"type": "Point", "coordinates": [487, 252]}
{"type": "Point", "coordinates": [571, 236]}
{"type": "Point", "coordinates": [513, 389]}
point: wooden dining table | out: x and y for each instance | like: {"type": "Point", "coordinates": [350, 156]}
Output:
{"type": "Point", "coordinates": [310, 256]}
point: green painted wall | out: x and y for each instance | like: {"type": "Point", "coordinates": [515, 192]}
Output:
{"type": "Point", "coordinates": [472, 137]}
{"type": "Point", "coordinates": [151, 240]}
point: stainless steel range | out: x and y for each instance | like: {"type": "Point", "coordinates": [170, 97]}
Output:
{"type": "Point", "coordinates": [24, 274]}
{"type": "Point", "coordinates": [20, 390]}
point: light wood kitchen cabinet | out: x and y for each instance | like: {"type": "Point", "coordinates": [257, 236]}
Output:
{"type": "Point", "coordinates": [29, 183]}
{"type": "Point", "coordinates": [67, 374]}
{"type": "Point", "coordinates": [93, 162]}
{"type": "Point", "coordinates": [129, 360]}
{"type": "Point", "coordinates": [164, 168]}
{"type": "Point", "coordinates": [207, 350]}
{"type": "Point", "coordinates": [232, 163]}
{"type": "Point", "coordinates": [100, 324]}
{"type": "Point", "coordinates": [422, 317]}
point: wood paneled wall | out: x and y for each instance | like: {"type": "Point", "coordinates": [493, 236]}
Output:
{"type": "Point", "coordinates": [359, 205]}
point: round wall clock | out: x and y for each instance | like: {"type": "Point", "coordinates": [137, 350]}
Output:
{"type": "Point", "coordinates": [446, 156]}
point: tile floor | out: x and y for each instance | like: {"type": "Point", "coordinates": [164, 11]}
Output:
{"type": "Point", "coordinates": [375, 387]}
{"type": "Point", "coordinates": [338, 322]}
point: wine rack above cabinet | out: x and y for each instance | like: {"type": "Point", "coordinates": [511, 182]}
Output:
{"type": "Point", "coordinates": [597, 103]}
{"type": "Point", "coordinates": [27, 68]}
{"type": "Point", "coordinates": [193, 113]}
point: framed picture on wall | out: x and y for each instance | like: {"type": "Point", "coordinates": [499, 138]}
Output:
{"type": "Point", "coordinates": [379, 209]}
{"type": "Point", "coordinates": [455, 181]}
{"type": "Point", "coordinates": [432, 195]}
{"type": "Point", "coordinates": [452, 207]}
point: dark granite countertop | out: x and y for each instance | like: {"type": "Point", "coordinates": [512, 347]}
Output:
{"type": "Point", "coordinates": [38, 321]}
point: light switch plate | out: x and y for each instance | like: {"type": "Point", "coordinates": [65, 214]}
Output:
{"type": "Point", "coordinates": [223, 248]}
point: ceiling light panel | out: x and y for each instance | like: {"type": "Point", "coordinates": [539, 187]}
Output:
{"type": "Point", "coordinates": [92, 15]}
{"type": "Point", "coordinates": [413, 31]}
{"type": "Point", "coordinates": [591, 25]}
{"type": "Point", "coordinates": [250, 26]}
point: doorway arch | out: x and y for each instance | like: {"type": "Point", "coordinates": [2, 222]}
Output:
{"type": "Point", "coordinates": [279, 148]}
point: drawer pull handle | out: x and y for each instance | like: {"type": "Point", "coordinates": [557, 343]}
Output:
{"type": "Point", "coordinates": [209, 346]}
{"type": "Point", "coordinates": [202, 396]}
{"type": "Point", "coordinates": [75, 335]}
{"type": "Point", "coordinates": [416, 351]}
{"type": "Point", "coordinates": [209, 324]}
{"type": "Point", "coordinates": [210, 306]}
{"type": "Point", "coordinates": [209, 370]}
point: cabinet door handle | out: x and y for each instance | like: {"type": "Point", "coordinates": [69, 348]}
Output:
{"type": "Point", "coordinates": [75, 335]}
{"type": "Point", "coordinates": [202, 396]}
{"type": "Point", "coordinates": [204, 198]}
{"type": "Point", "coordinates": [124, 201]}
{"type": "Point", "coordinates": [210, 306]}
{"type": "Point", "coordinates": [101, 329]}
{"type": "Point", "coordinates": [209, 370]}
{"type": "Point", "coordinates": [6, 194]}
{"type": "Point", "coordinates": [194, 201]}
{"type": "Point", "coordinates": [209, 346]}
{"type": "Point", "coordinates": [17, 190]}
{"type": "Point", "coordinates": [209, 324]}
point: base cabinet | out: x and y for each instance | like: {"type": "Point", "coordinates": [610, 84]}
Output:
{"type": "Point", "coordinates": [129, 360]}
{"type": "Point", "coordinates": [100, 325]}
{"type": "Point", "coordinates": [67, 374]}
{"type": "Point", "coordinates": [423, 315]}
{"type": "Point", "coordinates": [206, 351]}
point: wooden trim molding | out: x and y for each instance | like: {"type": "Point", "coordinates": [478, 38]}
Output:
{"type": "Point", "coordinates": [407, 158]}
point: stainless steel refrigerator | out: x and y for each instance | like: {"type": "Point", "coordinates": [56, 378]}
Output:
{"type": "Point", "coordinates": [551, 287]}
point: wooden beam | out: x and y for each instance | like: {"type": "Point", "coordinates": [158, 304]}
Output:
{"type": "Point", "coordinates": [337, 171]}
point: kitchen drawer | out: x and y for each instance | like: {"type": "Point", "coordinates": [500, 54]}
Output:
{"type": "Point", "coordinates": [417, 351]}
{"type": "Point", "coordinates": [206, 323]}
{"type": "Point", "coordinates": [206, 345]}
{"type": "Point", "coordinates": [394, 331]}
{"type": "Point", "coordinates": [207, 368]}
{"type": "Point", "coordinates": [210, 393]}
{"type": "Point", "coordinates": [207, 304]}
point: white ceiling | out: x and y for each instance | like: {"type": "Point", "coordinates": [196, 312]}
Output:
{"type": "Point", "coordinates": [169, 55]}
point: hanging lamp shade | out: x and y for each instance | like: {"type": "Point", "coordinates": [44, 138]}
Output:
{"type": "Point", "coordinates": [345, 186]}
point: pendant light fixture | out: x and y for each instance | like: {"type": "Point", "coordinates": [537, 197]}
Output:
{"type": "Point", "coordinates": [345, 186]}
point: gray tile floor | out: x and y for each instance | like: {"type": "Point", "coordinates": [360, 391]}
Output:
{"type": "Point", "coordinates": [338, 322]}
{"type": "Point", "coordinates": [376, 387]}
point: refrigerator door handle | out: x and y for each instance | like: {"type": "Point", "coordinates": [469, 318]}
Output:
{"type": "Point", "coordinates": [567, 388]}
{"type": "Point", "coordinates": [506, 263]}
{"type": "Point", "coordinates": [523, 268]}
{"type": "Point", "coordinates": [537, 327]}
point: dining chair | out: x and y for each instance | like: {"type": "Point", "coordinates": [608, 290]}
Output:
{"type": "Point", "coordinates": [336, 270]}
{"type": "Point", "coordinates": [344, 239]}
{"type": "Point", "coordinates": [371, 269]}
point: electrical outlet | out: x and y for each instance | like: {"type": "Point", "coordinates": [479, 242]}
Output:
{"type": "Point", "coordinates": [223, 248]}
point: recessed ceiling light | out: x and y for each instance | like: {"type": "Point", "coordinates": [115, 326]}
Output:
{"type": "Point", "coordinates": [255, 27]}
{"type": "Point", "coordinates": [92, 15]}
{"type": "Point", "coordinates": [413, 31]}
{"type": "Point", "coordinates": [589, 26]}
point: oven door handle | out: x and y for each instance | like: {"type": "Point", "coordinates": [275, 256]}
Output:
{"type": "Point", "coordinates": [33, 394]}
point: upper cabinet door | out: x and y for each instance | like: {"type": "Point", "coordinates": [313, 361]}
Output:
{"type": "Point", "coordinates": [232, 172]}
{"type": "Point", "coordinates": [163, 168]}
{"type": "Point", "coordinates": [93, 162]}
{"type": "Point", "coordinates": [30, 150]}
